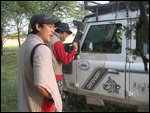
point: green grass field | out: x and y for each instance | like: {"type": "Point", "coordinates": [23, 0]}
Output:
{"type": "Point", "coordinates": [9, 79]}
{"type": "Point", "coordinates": [9, 89]}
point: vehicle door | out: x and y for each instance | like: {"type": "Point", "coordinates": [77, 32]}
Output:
{"type": "Point", "coordinates": [100, 68]}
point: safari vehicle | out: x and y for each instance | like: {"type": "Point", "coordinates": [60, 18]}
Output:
{"type": "Point", "coordinates": [105, 68]}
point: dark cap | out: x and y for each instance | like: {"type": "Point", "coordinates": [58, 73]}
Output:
{"type": "Point", "coordinates": [63, 27]}
{"type": "Point", "coordinates": [43, 19]}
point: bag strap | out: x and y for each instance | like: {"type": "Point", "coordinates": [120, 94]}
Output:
{"type": "Point", "coordinates": [33, 51]}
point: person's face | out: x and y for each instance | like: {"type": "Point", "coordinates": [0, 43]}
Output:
{"type": "Point", "coordinates": [64, 36]}
{"type": "Point", "coordinates": [46, 33]}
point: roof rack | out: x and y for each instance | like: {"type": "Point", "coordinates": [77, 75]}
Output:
{"type": "Point", "coordinates": [100, 9]}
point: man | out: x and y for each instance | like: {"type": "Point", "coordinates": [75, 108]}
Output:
{"type": "Point", "coordinates": [60, 56]}
{"type": "Point", "coordinates": [38, 90]}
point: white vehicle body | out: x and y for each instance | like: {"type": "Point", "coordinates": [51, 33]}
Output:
{"type": "Point", "coordinates": [115, 75]}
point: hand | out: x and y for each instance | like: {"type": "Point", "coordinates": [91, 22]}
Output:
{"type": "Point", "coordinates": [75, 46]}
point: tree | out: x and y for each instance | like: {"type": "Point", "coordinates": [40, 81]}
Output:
{"type": "Point", "coordinates": [142, 32]}
{"type": "Point", "coordinates": [20, 12]}
{"type": "Point", "coordinates": [141, 29]}
{"type": "Point", "coordinates": [5, 17]}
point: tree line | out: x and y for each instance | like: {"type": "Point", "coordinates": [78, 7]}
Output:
{"type": "Point", "coordinates": [17, 14]}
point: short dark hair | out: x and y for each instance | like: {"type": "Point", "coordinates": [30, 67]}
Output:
{"type": "Point", "coordinates": [34, 30]}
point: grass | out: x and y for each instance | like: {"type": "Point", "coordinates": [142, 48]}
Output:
{"type": "Point", "coordinates": [8, 79]}
{"type": "Point", "coordinates": [78, 104]}
{"type": "Point", "coordinates": [9, 90]}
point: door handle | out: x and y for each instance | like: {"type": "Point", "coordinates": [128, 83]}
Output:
{"type": "Point", "coordinates": [113, 71]}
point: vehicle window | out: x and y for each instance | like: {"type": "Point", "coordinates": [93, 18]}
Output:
{"type": "Point", "coordinates": [105, 38]}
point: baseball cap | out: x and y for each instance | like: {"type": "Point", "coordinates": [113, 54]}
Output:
{"type": "Point", "coordinates": [43, 18]}
{"type": "Point", "coordinates": [64, 27]}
